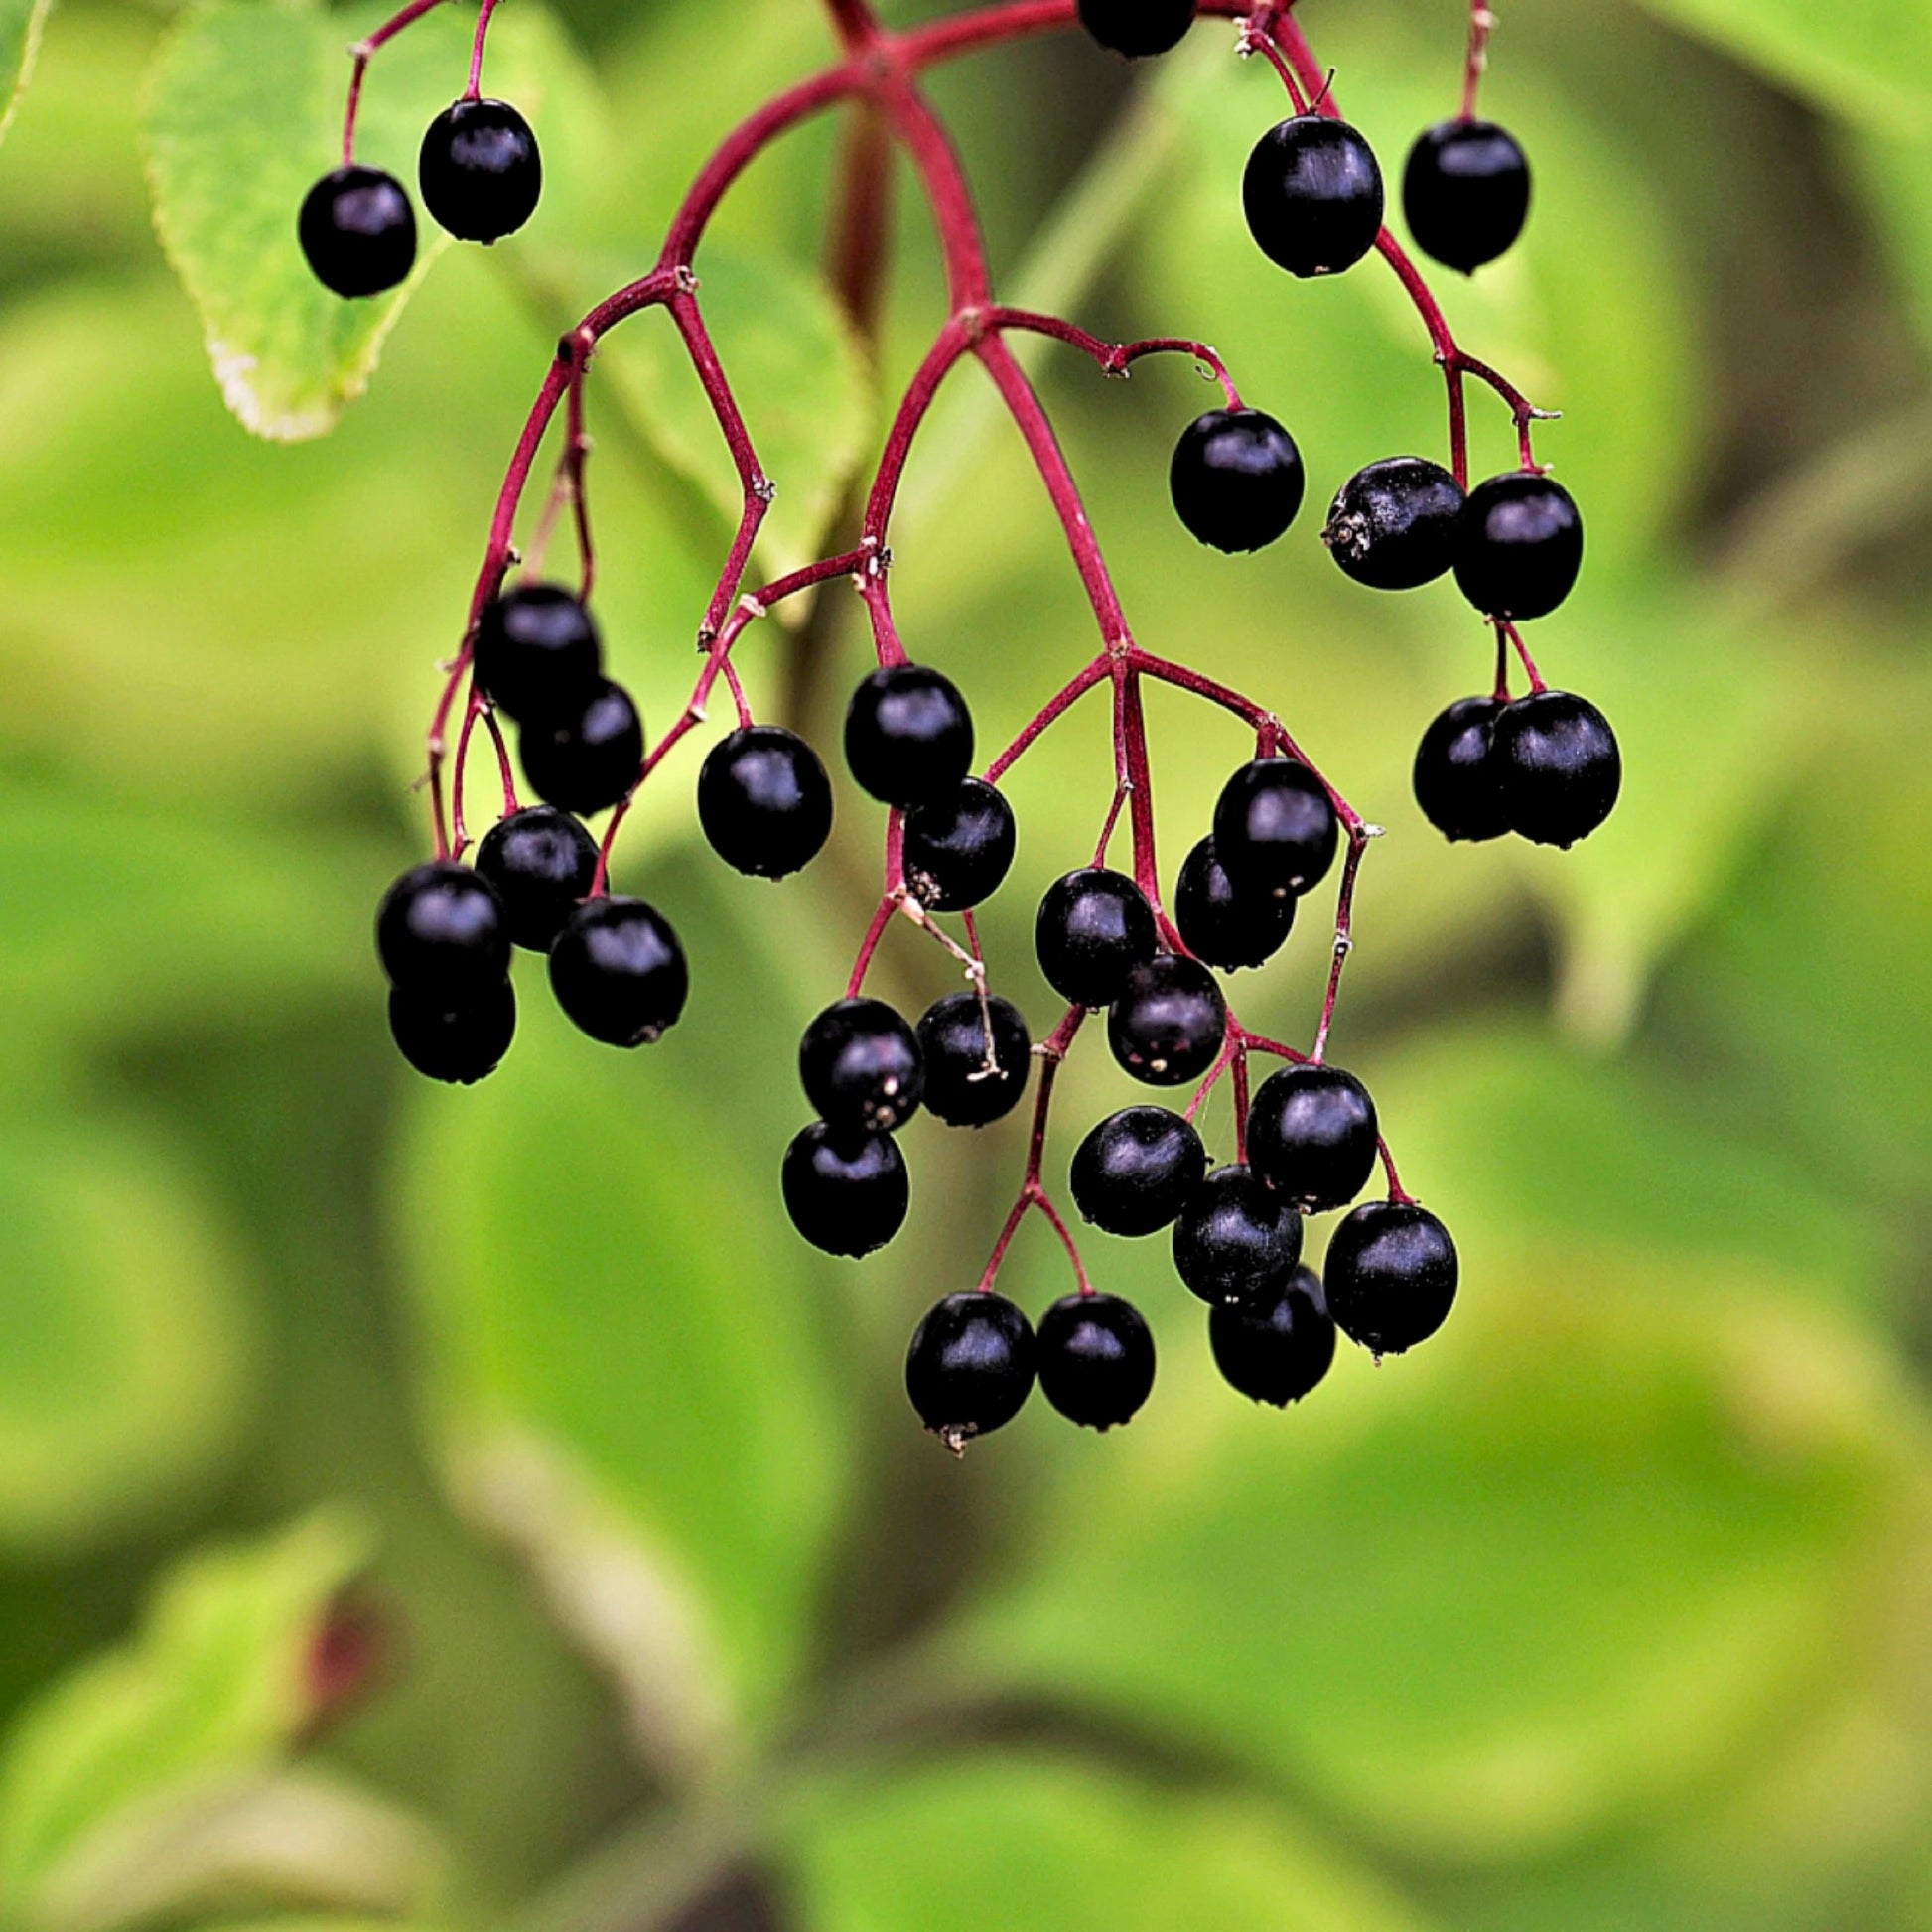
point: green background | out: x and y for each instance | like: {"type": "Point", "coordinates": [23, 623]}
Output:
{"type": "Point", "coordinates": [519, 1416]}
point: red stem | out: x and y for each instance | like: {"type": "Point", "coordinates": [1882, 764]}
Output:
{"type": "Point", "coordinates": [475, 88]}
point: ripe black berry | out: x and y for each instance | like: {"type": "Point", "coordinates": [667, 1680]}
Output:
{"type": "Point", "coordinates": [1391, 1276]}
{"type": "Point", "coordinates": [908, 736]}
{"type": "Point", "coordinates": [861, 1067]}
{"type": "Point", "coordinates": [959, 1087]}
{"type": "Point", "coordinates": [1456, 773]}
{"type": "Point", "coordinates": [479, 170]}
{"type": "Point", "coordinates": [765, 801]}
{"type": "Point", "coordinates": [1223, 925]}
{"type": "Point", "coordinates": [358, 231]}
{"type": "Point", "coordinates": [1135, 1171]}
{"type": "Point", "coordinates": [959, 849]}
{"type": "Point", "coordinates": [537, 653]}
{"type": "Point", "coordinates": [1137, 28]}
{"type": "Point", "coordinates": [970, 1368]}
{"type": "Point", "coordinates": [1312, 1136]}
{"type": "Point", "coordinates": [460, 1045]}
{"type": "Point", "coordinates": [1393, 526]}
{"type": "Point", "coordinates": [1312, 192]}
{"type": "Point", "coordinates": [1281, 1349]}
{"type": "Point", "coordinates": [846, 1194]}
{"type": "Point", "coordinates": [1168, 1026]}
{"type": "Point", "coordinates": [1237, 479]}
{"type": "Point", "coordinates": [1520, 546]}
{"type": "Point", "coordinates": [1096, 1359]}
{"type": "Point", "coordinates": [1275, 829]}
{"type": "Point", "coordinates": [1237, 1240]}
{"type": "Point", "coordinates": [1557, 766]}
{"type": "Point", "coordinates": [440, 931]}
{"type": "Point", "coordinates": [541, 862]}
{"type": "Point", "coordinates": [1094, 929]}
{"type": "Point", "coordinates": [1465, 193]}
{"type": "Point", "coordinates": [618, 972]}
{"type": "Point", "coordinates": [586, 758]}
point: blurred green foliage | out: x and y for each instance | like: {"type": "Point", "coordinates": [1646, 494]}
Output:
{"type": "Point", "coordinates": [1608, 1609]}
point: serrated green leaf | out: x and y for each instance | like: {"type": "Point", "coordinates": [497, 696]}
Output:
{"type": "Point", "coordinates": [20, 32]}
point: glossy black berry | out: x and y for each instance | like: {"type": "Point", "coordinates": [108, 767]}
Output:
{"type": "Point", "coordinates": [861, 1067]}
{"type": "Point", "coordinates": [542, 863]}
{"type": "Point", "coordinates": [1465, 193]}
{"type": "Point", "coordinates": [1557, 766]}
{"type": "Point", "coordinates": [441, 931]}
{"type": "Point", "coordinates": [1096, 1359]}
{"type": "Point", "coordinates": [1237, 479]}
{"type": "Point", "coordinates": [959, 849]}
{"type": "Point", "coordinates": [1223, 925]}
{"type": "Point", "coordinates": [1168, 1026]}
{"type": "Point", "coordinates": [1133, 1172]}
{"type": "Point", "coordinates": [1282, 1347]}
{"type": "Point", "coordinates": [1093, 929]}
{"type": "Point", "coordinates": [846, 1194]}
{"type": "Point", "coordinates": [970, 1368]}
{"type": "Point", "coordinates": [358, 231]}
{"type": "Point", "coordinates": [460, 1045]}
{"type": "Point", "coordinates": [1312, 1136]}
{"type": "Point", "coordinates": [959, 1087]}
{"type": "Point", "coordinates": [1393, 526]}
{"type": "Point", "coordinates": [1237, 1240]}
{"type": "Point", "coordinates": [765, 801]}
{"type": "Point", "coordinates": [618, 972]}
{"type": "Point", "coordinates": [1391, 1276]}
{"type": "Point", "coordinates": [537, 651]}
{"type": "Point", "coordinates": [909, 736]}
{"type": "Point", "coordinates": [1275, 829]}
{"type": "Point", "coordinates": [1456, 773]}
{"type": "Point", "coordinates": [479, 170]}
{"type": "Point", "coordinates": [1520, 547]}
{"type": "Point", "coordinates": [1137, 28]}
{"type": "Point", "coordinates": [1312, 192]}
{"type": "Point", "coordinates": [586, 758]}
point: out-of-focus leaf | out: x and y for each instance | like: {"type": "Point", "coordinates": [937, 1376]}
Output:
{"type": "Point", "coordinates": [1895, 175]}
{"type": "Point", "coordinates": [20, 30]}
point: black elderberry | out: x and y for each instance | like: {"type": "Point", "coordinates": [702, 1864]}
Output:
{"type": "Point", "coordinates": [1557, 766]}
{"type": "Point", "coordinates": [1520, 547]}
{"type": "Point", "coordinates": [765, 801]}
{"type": "Point", "coordinates": [861, 1067]}
{"type": "Point", "coordinates": [1169, 1022]}
{"type": "Point", "coordinates": [1275, 828]}
{"type": "Point", "coordinates": [1221, 923]}
{"type": "Point", "coordinates": [1279, 1350]}
{"type": "Point", "coordinates": [1456, 772]}
{"type": "Point", "coordinates": [1094, 929]}
{"type": "Point", "coordinates": [587, 758]}
{"type": "Point", "coordinates": [358, 231]}
{"type": "Point", "coordinates": [440, 931]}
{"type": "Point", "coordinates": [542, 863]}
{"type": "Point", "coordinates": [1391, 1276]}
{"type": "Point", "coordinates": [1237, 479]}
{"type": "Point", "coordinates": [846, 1194]}
{"type": "Point", "coordinates": [959, 849]}
{"type": "Point", "coordinates": [1312, 192]}
{"type": "Point", "coordinates": [1393, 526]}
{"type": "Point", "coordinates": [1465, 193]}
{"type": "Point", "coordinates": [618, 972]}
{"type": "Point", "coordinates": [1312, 1135]}
{"type": "Point", "coordinates": [961, 1088]}
{"type": "Point", "coordinates": [479, 170]}
{"type": "Point", "coordinates": [1096, 1359]}
{"type": "Point", "coordinates": [537, 651]}
{"type": "Point", "coordinates": [460, 1045]}
{"type": "Point", "coordinates": [970, 1368]}
{"type": "Point", "coordinates": [1137, 28]}
{"type": "Point", "coordinates": [1133, 1172]}
{"type": "Point", "coordinates": [1237, 1240]}
{"type": "Point", "coordinates": [908, 736]}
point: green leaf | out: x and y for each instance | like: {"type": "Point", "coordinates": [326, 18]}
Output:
{"type": "Point", "coordinates": [21, 22]}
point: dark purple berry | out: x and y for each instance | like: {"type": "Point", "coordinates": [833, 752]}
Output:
{"type": "Point", "coordinates": [1465, 193]}
{"type": "Point", "coordinates": [961, 1088]}
{"type": "Point", "coordinates": [970, 1368]}
{"type": "Point", "coordinates": [1279, 1349]}
{"type": "Point", "coordinates": [1237, 480]}
{"type": "Point", "coordinates": [1221, 924]}
{"type": "Point", "coordinates": [1391, 1276]}
{"type": "Point", "coordinates": [846, 1194]}
{"type": "Point", "coordinates": [542, 863]}
{"type": "Point", "coordinates": [1094, 929]}
{"type": "Point", "coordinates": [358, 231]}
{"type": "Point", "coordinates": [1455, 774]}
{"type": "Point", "coordinates": [765, 801]}
{"type": "Point", "coordinates": [479, 170]}
{"type": "Point", "coordinates": [1312, 1135]}
{"type": "Point", "coordinates": [537, 653]}
{"type": "Point", "coordinates": [1137, 28]}
{"type": "Point", "coordinates": [587, 758]}
{"type": "Point", "coordinates": [1520, 547]}
{"type": "Point", "coordinates": [1312, 192]}
{"type": "Point", "coordinates": [1237, 1241]}
{"type": "Point", "coordinates": [959, 849]}
{"type": "Point", "coordinates": [1275, 829]}
{"type": "Point", "coordinates": [1135, 1171]}
{"type": "Point", "coordinates": [618, 972]}
{"type": "Point", "coordinates": [1393, 526]}
{"type": "Point", "coordinates": [1096, 1359]}
{"type": "Point", "coordinates": [861, 1067]}
{"type": "Point", "coordinates": [1169, 1022]}
{"type": "Point", "coordinates": [440, 931]}
{"type": "Point", "coordinates": [1557, 766]}
{"type": "Point", "coordinates": [908, 736]}
{"type": "Point", "coordinates": [460, 1045]}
